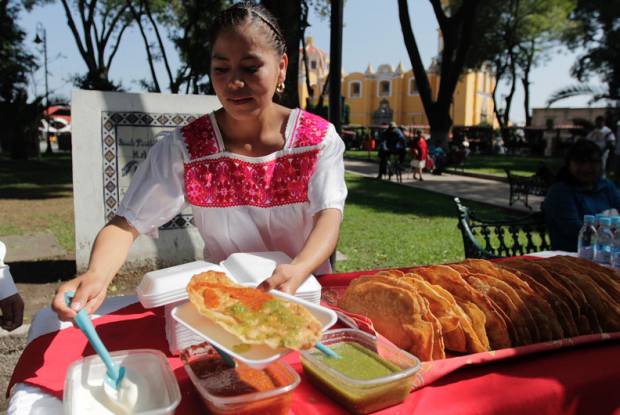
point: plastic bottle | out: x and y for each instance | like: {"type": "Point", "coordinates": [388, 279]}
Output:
{"type": "Point", "coordinates": [597, 220]}
{"type": "Point", "coordinates": [615, 246]}
{"type": "Point", "coordinates": [587, 238]}
{"type": "Point", "coordinates": [604, 241]}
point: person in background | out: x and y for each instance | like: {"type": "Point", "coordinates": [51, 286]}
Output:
{"type": "Point", "coordinates": [383, 153]}
{"type": "Point", "coordinates": [419, 153]}
{"type": "Point", "coordinates": [396, 141]}
{"type": "Point", "coordinates": [579, 189]}
{"type": "Point", "coordinates": [11, 303]}
{"type": "Point", "coordinates": [603, 137]}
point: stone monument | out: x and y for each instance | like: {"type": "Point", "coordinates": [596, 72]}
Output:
{"type": "Point", "coordinates": [111, 134]}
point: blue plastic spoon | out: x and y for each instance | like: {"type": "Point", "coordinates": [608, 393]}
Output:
{"type": "Point", "coordinates": [327, 351]}
{"type": "Point", "coordinates": [123, 395]}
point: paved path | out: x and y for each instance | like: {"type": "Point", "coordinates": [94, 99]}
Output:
{"type": "Point", "coordinates": [492, 192]}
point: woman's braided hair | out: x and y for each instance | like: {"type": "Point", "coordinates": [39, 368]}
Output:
{"type": "Point", "coordinates": [240, 13]}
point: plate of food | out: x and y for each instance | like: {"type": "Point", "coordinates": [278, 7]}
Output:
{"type": "Point", "coordinates": [253, 326]}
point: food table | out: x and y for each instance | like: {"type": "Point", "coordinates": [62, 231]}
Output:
{"type": "Point", "coordinates": [582, 378]}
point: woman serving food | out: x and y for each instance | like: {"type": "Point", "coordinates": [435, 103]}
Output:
{"type": "Point", "coordinates": [258, 176]}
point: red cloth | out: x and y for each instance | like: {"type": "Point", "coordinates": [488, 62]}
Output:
{"type": "Point", "coordinates": [580, 379]}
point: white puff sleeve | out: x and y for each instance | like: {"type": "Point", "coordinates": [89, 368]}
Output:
{"type": "Point", "coordinates": [156, 193]}
{"type": "Point", "coordinates": [327, 187]}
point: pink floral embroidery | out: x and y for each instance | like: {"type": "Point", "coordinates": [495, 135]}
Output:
{"type": "Point", "coordinates": [227, 181]}
{"type": "Point", "coordinates": [199, 137]}
{"type": "Point", "coordinates": [311, 130]}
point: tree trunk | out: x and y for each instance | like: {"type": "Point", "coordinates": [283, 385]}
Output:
{"type": "Point", "coordinates": [525, 80]}
{"type": "Point", "coordinates": [526, 99]}
{"type": "Point", "coordinates": [499, 72]}
{"type": "Point", "coordinates": [137, 16]}
{"type": "Point", "coordinates": [457, 30]}
{"type": "Point", "coordinates": [513, 87]}
{"type": "Point", "coordinates": [288, 14]}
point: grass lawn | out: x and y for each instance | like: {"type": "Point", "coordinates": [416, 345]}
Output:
{"type": "Point", "coordinates": [486, 164]}
{"type": "Point", "coordinates": [495, 164]}
{"type": "Point", "coordinates": [385, 224]}
{"type": "Point", "coordinates": [390, 225]}
{"type": "Point", "coordinates": [37, 196]}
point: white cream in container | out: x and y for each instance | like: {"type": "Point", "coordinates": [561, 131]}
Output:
{"type": "Point", "coordinates": [157, 388]}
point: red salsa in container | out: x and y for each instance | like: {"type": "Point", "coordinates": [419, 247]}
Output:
{"type": "Point", "coordinates": [241, 390]}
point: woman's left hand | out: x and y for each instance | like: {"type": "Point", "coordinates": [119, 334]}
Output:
{"type": "Point", "coordinates": [286, 278]}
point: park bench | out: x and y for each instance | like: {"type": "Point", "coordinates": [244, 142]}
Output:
{"type": "Point", "coordinates": [501, 238]}
{"type": "Point", "coordinates": [521, 187]}
{"type": "Point", "coordinates": [456, 160]}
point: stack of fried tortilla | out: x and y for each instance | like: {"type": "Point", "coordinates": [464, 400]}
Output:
{"type": "Point", "coordinates": [477, 305]}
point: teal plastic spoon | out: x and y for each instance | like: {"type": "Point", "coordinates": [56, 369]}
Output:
{"type": "Point", "coordinates": [120, 388]}
{"type": "Point", "coordinates": [327, 351]}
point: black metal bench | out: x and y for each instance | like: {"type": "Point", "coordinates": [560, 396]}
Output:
{"type": "Point", "coordinates": [456, 160]}
{"type": "Point", "coordinates": [501, 238]}
{"type": "Point", "coordinates": [521, 187]}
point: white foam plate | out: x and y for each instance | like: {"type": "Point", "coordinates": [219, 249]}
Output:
{"type": "Point", "coordinates": [257, 356]}
{"type": "Point", "coordinates": [254, 267]}
{"type": "Point", "coordinates": [167, 285]}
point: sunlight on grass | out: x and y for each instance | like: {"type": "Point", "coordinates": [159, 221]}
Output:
{"type": "Point", "coordinates": [389, 225]}
{"type": "Point", "coordinates": [486, 164]}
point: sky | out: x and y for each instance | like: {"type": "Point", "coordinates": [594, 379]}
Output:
{"type": "Point", "coordinates": [371, 35]}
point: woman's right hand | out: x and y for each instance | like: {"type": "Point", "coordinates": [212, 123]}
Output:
{"type": "Point", "coordinates": [90, 291]}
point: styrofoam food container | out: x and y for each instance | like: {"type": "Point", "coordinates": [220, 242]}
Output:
{"type": "Point", "coordinates": [84, 392]}
{"type": "Point", "coordinates": [257, 355]}
{"type": "Point", "coordinates": [167, 285]}
{"type": "Point", "coordinates": [254, 267]}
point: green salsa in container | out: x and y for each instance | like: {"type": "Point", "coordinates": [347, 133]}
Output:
{"type": "Point", "coordinates": [371, 374]}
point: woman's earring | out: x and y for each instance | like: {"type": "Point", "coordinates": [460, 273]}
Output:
{"type": "Point", "coordinates": [280, 88]}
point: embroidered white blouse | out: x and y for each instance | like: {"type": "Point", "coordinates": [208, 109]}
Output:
{"type": "Point", "coordinates": [240, 203]}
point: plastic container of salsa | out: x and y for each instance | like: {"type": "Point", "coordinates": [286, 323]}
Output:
{"type": "Point", "coordinates": [241, 390]}
{"type": "Point", "coordinates": [372, 374]}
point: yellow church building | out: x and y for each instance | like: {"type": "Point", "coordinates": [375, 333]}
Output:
{"type": "Point", "coordinates": [386, 94]}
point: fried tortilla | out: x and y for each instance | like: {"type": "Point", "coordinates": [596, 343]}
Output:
{"type": "Point", "coordinates": [560, 310]}
{"type": "Point", "coordinates": [395, 312]}
{"type": "Point", "coordinates": [603, 278]}
{"type": "Point", "coordinates": [533, 270]}
{"type": "Point", "coordinates": [606, 309]}
{"type": "Point", "coordinates": [573, 284]}
{"type": "Point", "coordinates": [543, 314]}
{"type": "Point", "coordinates": [515, 310]}
{"type": "Point", "coordinates": [256, 317]}
{"type": "Point", "coordinates": [496, 325]}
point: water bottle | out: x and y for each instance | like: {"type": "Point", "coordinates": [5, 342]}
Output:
{"type": "Point", "coordinates": [587, 238]}
{"type": "Point", "coordinates": [604, 240]}
{"type": "Point", "coordinates": [615, 246]}
{"type": "Point", "coordinates": [615, 224]}
{"type": "Point", "coordinates": [597, 220]}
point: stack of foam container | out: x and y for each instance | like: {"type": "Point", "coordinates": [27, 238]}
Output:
{"type": "Point", "coordinates": [166, 287]}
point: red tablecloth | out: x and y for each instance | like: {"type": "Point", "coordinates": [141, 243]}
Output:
{"type": "Point", "coordinates": [580, 379]}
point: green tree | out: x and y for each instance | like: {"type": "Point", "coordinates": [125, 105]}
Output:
{"type": "Point", "coordinates": [457, 26]}
{"type": "Point", "coordinates": [187, 23]}
{"type": "Point", "coordinates": [15, 61]}
{"type": "Point", "coordinates": [597, 30]}
{"type": "Point", "coordinates": [97, 27]}
{"type": "Point", "coordinates": [18, 117]}
{"type": "Point", "coordinates": [514, 37]}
